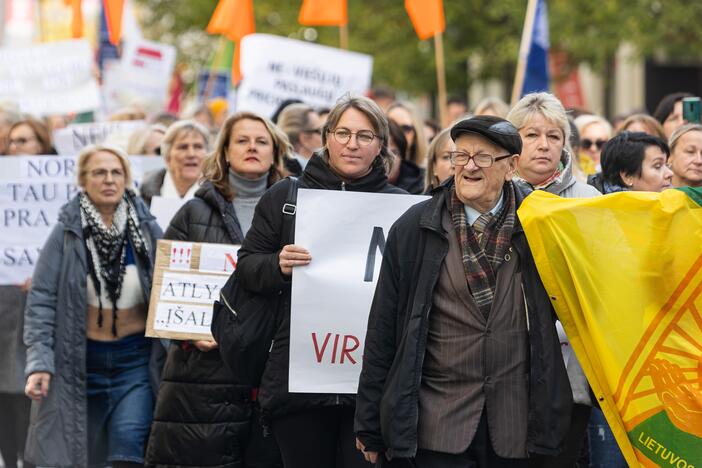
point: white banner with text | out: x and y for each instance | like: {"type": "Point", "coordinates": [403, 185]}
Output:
{"type": "Point", "coordinates": [276, 68]}
{"type": "Point", "coordinates": [32, 191]}
{"type": "Point", "coordinates": [52, 78]}
{"type": "Point", "coordinates": [345, 233]}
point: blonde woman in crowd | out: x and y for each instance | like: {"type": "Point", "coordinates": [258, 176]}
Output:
{"type": "Point", "coordinates": [594, 133]}
{"type": "Point", "coordinates": [642, 123]}
{"type": "Point", "coordinates": [439, 167]}
{"type": "Point", "coordinates": [405, 115]}
{"type": "Point", "coordinates": [686, 156]}
{"type": "Point", "coordinates": [146, 141]}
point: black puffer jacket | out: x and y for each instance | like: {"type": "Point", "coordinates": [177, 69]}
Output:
{"type": "Point", "coordinates": [387, 404]}
{"type": "Point", "coordinates": [202, 416]}
{"type": "Point", "coordinates": [259, 272]}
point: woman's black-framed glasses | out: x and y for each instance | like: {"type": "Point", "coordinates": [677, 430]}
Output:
{"type": "Point", "coordinates": [343, 136]}
{"type": "Point", "coordinates": [484, 160]}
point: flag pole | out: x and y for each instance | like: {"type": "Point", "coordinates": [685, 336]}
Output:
{"type": "Point", "coordinates": [344, 36]}
{"type": "Point", "coordinates": [524, 51]}
{"type": "Point", "coordinates": [441, 76]}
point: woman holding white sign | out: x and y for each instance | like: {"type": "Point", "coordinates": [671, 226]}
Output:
{"type": "Point", "coordinates": [200, 403]}
{"type": "Point", "coordinates": [312, 430]}
{"type": "Point", "coordinates": [91, 372]}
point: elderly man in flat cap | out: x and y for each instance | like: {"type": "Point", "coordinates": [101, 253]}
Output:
{"type": "Point", "coordinates": [462, 364]}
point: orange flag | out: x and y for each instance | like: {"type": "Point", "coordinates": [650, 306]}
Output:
{"type": "Point", "coordinates": [76, 17]}
{"type": "Point", "coordinates": [233, 19]}
{"type": "Point", "coordinates": [323, 13]}
{"type": "Point", "coordinates": [427, 17]}
{"type": "Point", "coordinates": [113, 14]}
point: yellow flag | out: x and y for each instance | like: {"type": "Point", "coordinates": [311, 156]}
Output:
{"type": "Point", "coordinates": [624, 273]}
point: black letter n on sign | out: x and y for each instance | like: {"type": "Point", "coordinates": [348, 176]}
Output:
{"type": "Point", "coordinates": [377, 242]}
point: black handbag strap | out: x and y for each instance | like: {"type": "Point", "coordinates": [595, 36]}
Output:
{"type": "Point", "coordinates": [289, 210]}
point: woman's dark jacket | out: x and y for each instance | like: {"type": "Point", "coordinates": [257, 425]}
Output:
{"type": "Point", "coordinates": [411, 177]}
{"type": "Point", "coordinates": [387, 401]}
{"type": "Point", "coordinates": [259, 272]}
{"type": "Point", "coordinates": [202, 415]}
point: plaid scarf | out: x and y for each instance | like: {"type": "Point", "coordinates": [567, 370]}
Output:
{"type": "Point", "coordinates": [483, 254]}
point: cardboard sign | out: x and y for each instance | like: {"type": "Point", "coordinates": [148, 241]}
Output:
{"type": "Point", "coordinates": [275, 68]}
{"type": "Point", "coordinates": [188, 277]}
{"type": "Point", "coordinates": [75, 137]}
{"type": "Point", "coordinates": [32, 191]}
{"type": "Point", "coordinates": [331, 297]}
{"type": "Point", "coordinates": [53, 78]}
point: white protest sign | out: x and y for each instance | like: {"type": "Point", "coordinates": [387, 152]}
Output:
{"type": "Point", "coordinates": [73, 138]}
{"type": "Point", "coordinates": [345, 233]}
{"type": "Point", "coordinates": [164, 209]}
{"type": "Point", "coordinates": [52, 78]}
{"type": "Point", "coordinates": [32, 191]}
{"type": "Point", "coordinates": [142, 75]}
{"type": "Point", "coordinates": [188, 277]}
{"type": "Point", "coordinates": [275, 68]}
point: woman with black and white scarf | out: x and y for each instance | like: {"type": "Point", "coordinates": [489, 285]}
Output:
{"type": "Point", "coordinates": [90, 370]}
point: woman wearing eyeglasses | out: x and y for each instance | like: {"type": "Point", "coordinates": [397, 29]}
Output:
{"type": "Point", "coordinates": [29, 137]}
{"type": "Point", "coordinates": [91, 372]}
{"type": "Point", "coordinates": [594, 133]}
{"type": "Point", "coordinates": [312, 430]}
{"type": "Point", "coordinates": [303, 127]}
{"type": "Point", "coordinates": [546, 164]}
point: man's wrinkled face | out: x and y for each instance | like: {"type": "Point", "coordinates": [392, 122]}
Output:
{"type": "Point", "coordinates": [481, 187]}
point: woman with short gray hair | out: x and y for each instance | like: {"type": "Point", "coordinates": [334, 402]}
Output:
{"type": "Point", "coordinates": [184, 147]}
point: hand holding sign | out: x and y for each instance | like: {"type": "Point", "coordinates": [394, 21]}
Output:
{"type": "Point", "coordinates": [292, 256]}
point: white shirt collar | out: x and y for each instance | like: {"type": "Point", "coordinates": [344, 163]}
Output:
{"type": "Point", "coordinates": [472, 214]}
{"type": "Point", "coordinates": [169, 190]}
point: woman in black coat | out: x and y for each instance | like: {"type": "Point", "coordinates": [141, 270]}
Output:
{"type": "Point", "coordinates": [203, 416]}
{"type": "Point", "coordinates": [312, 430]}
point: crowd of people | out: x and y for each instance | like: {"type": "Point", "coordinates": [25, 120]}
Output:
{"type": "Point", "coordinates": [80, 384]}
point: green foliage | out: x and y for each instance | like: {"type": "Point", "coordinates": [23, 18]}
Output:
{"type": "Point", "coordinates": [491, 29]}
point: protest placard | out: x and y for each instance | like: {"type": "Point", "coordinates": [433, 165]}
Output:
{"type": "Point", "coordinates": [275, 68]}
{"type": "Point", "coordinates": [331, 297]}
{"type": "Point", "coordinates": [187, 279]}
{"type": "Point", "coordinates": [52, 78]}
{"type": "Point", "coordinates": [32, 191]}
{"type": "Point", "coordinates": [142, 75]}
{"type": "Point", "coordinates": [73, 138]}
{"type": "Point", "coordinates": [164, 209]}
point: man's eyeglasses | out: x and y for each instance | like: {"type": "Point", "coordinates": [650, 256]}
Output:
{"type": "Point", "coordinates": [586, 143]}
{"type": "Point", "coordinates": [343, 136]}
{"type": "Point", "coordinates": [484, 160]}
{"type": "Point", "coordinates": [102, 174]}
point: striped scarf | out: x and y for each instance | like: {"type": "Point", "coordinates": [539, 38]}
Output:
{"type": "Point", "coordinates": [483, 254]}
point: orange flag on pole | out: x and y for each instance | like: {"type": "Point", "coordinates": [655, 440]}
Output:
{"type": "Point", "coordinates": [113, 15]}
{"type": "Point", "coordinates": [76, 17]}
{"type": "Point", "coordinates": [427, 17]}
{"type": "Point", "coordinates": [233, 19]}
{"type": "Point", "coordinates": [323, 13]}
